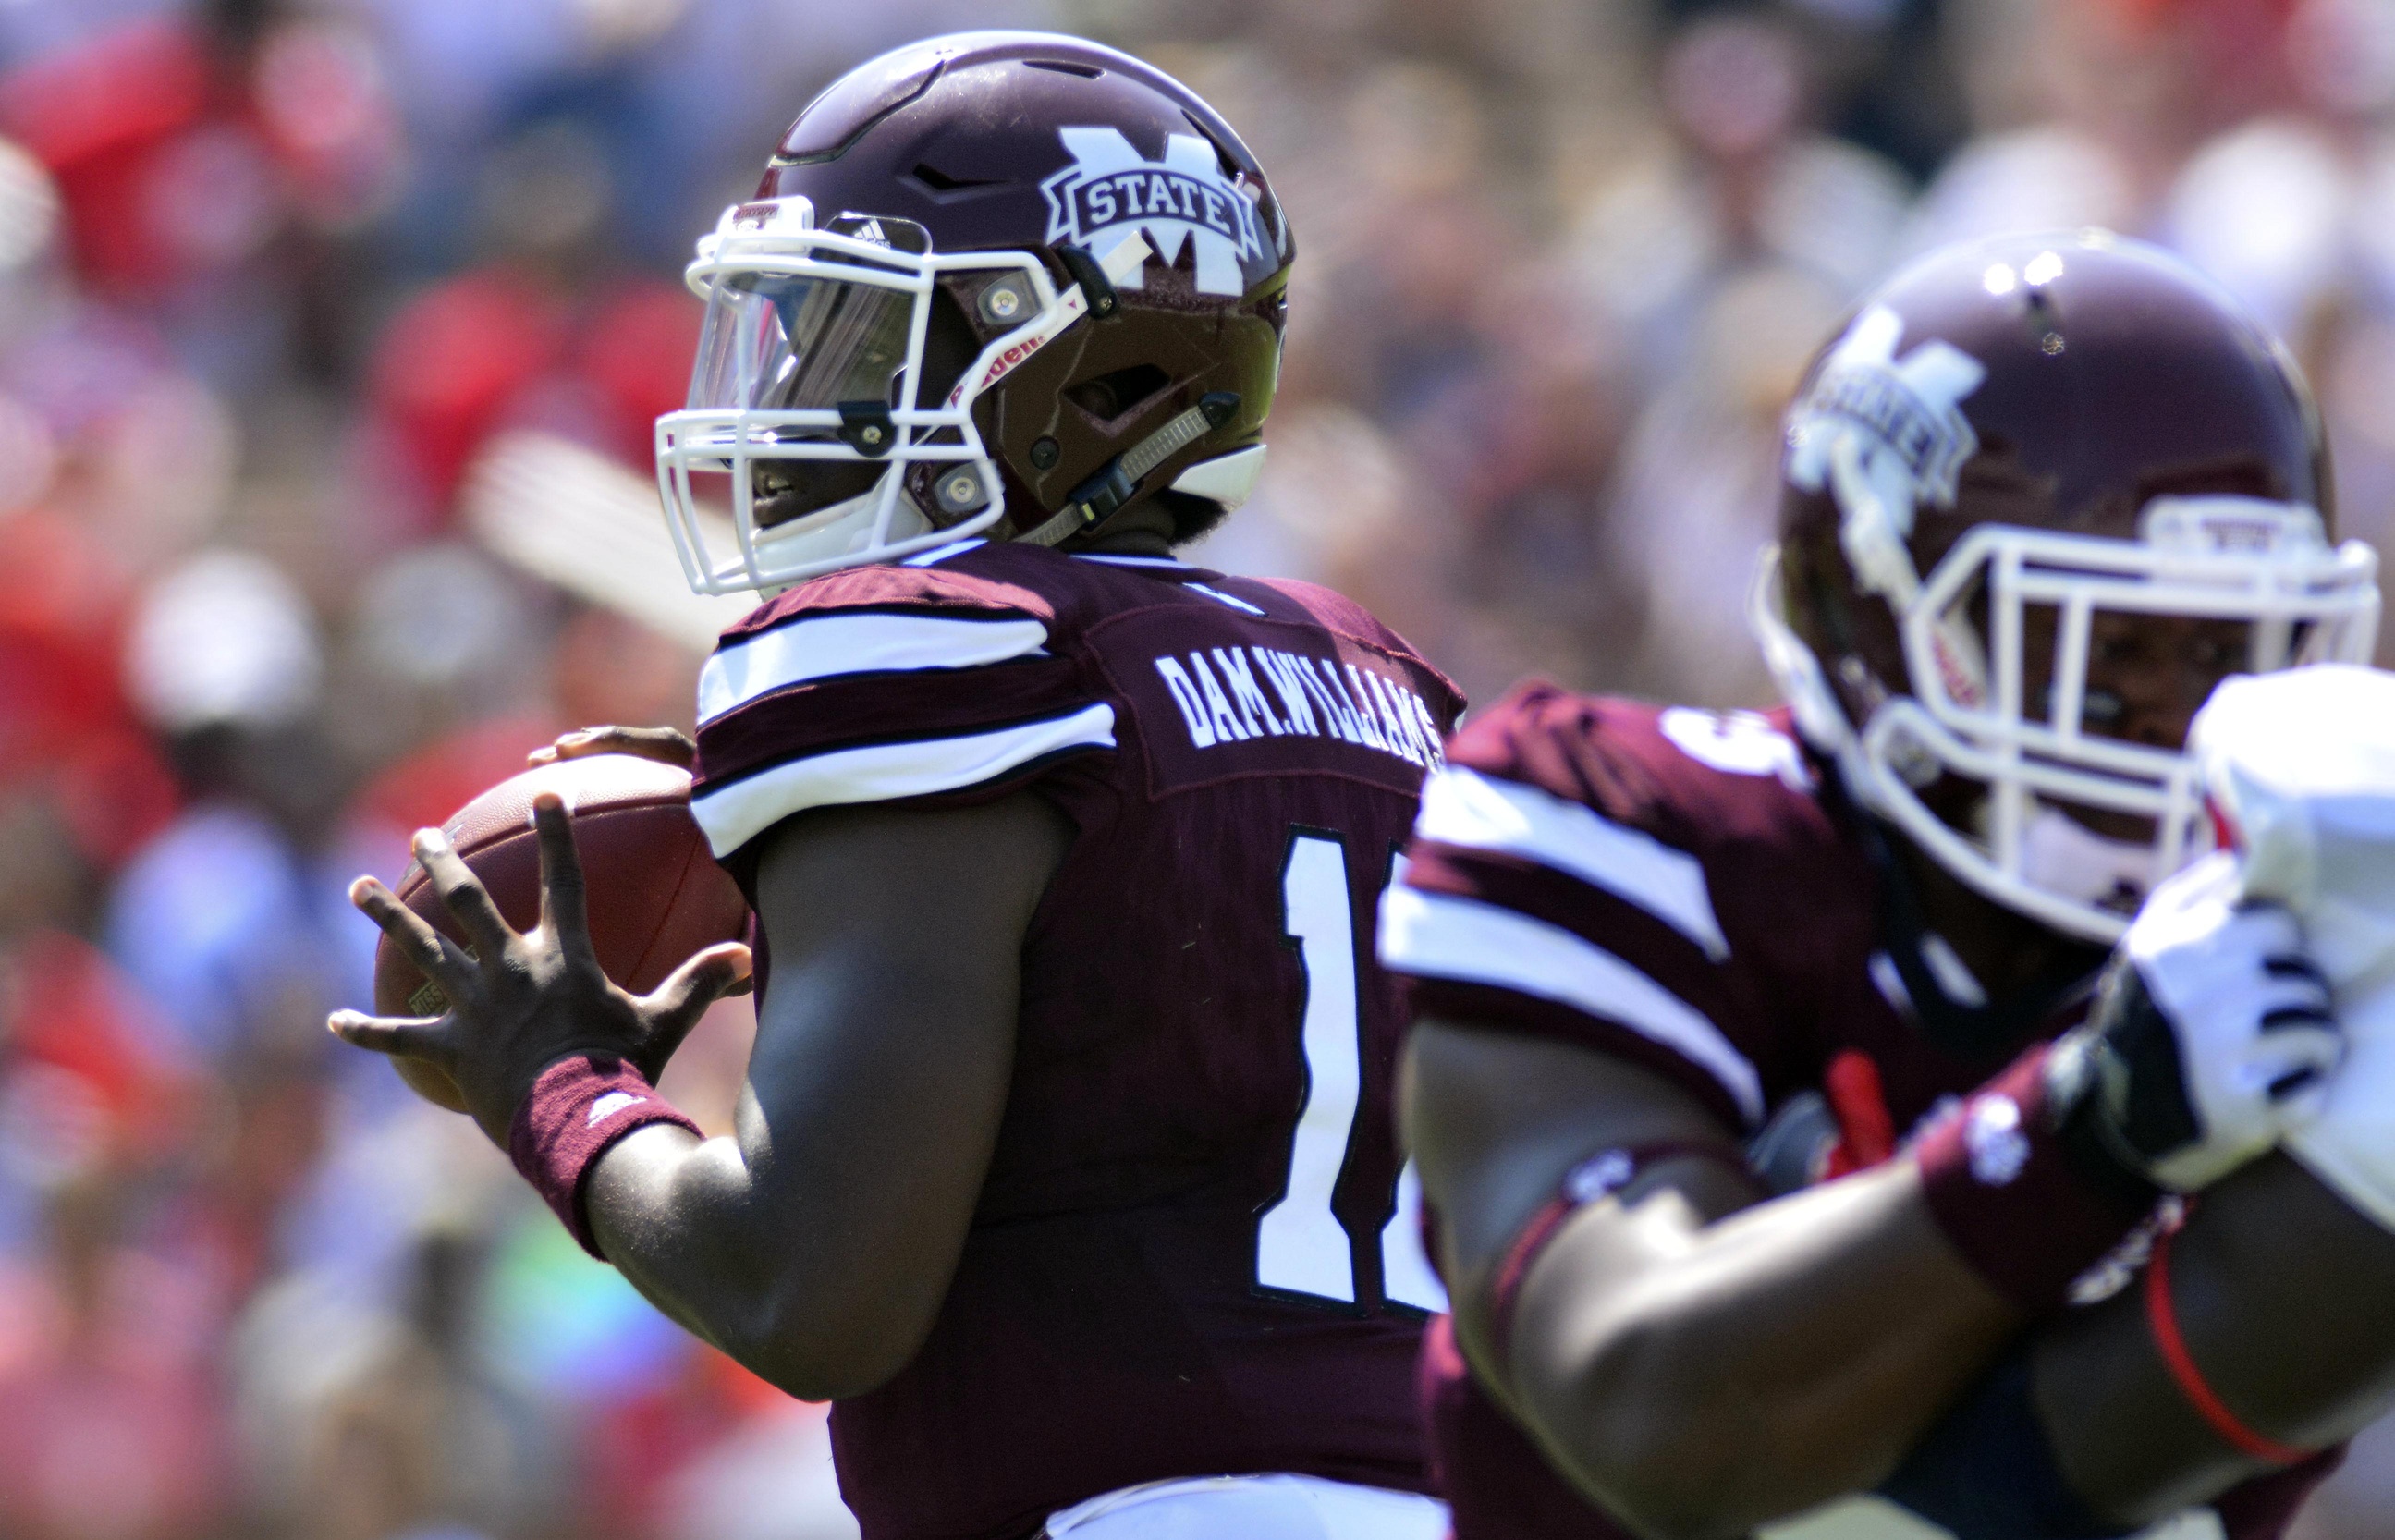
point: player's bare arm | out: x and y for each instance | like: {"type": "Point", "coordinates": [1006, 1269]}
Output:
{"type": "Point", "coordinates": [1699, 1373]}
{"type": "Point", "coordinates": [2282, 1290]}
{"type": "Point", "coordinates": [1703, 1366]}
{"type": "Point", "coordinates": [1702, 1373]}
{"type": "Point", "coordinates": [815, 1244]}
{"type": "Point", "coordinates": [1701, 1362]}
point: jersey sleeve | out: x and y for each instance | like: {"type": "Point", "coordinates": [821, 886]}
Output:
{"type": "Point", "coordinates": [884, 684]}
{"type": "Point", "coordinates": [1550, 889]}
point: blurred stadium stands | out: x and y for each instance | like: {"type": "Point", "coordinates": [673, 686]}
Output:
{"type": "Point", "coordinates": [330, 332]}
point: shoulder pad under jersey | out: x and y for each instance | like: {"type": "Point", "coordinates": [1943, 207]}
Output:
{"type": "Point", "coordinates": [911, 680]}
{"type": "Point", "coordinates": [1661, 881]}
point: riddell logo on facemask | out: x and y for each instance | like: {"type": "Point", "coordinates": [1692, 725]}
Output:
{"type": "Point", "coordinates": [1006, 361]}
{"type": "Point", "coordinates": [1183, 198]}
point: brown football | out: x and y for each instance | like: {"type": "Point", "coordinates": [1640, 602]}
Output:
{"type": "Point", "coordinates": [655, 894]}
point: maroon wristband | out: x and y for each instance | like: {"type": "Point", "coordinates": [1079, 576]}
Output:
{"type": "Point", "coordinates": [579, 1106]}
{"type": "Point", "coordinates": [2002, 1189]}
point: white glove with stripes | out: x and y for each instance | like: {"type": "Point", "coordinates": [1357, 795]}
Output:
{"type": "Point", "coordinates": [2211, 1039]}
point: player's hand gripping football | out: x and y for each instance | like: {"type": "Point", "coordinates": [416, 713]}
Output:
{"type": "Point", "coordinates": [520, 1002]}
{"type": "Point", "coordinates": [2211, 1037]}
{"type": "Point", "coordinates": [666, 745]}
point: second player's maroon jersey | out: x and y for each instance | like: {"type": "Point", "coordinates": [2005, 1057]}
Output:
{"type": "Point", "coordinates": [1190, 1255]}
{"type": "Point", "coordinates": [1674, 887]}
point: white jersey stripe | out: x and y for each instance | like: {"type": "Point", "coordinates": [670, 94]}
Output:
{"type": "Point", "coordinates": [1220, 597]}
{"type": "Point", "coordinates": [731, 816]}
{"type": "Point", "coordinates": [937, 555]}
{"type": "Point", "coordinates": [1441, 937]}
{"type": "Point", "coordinates": [1460, 807]}
{"type": "Point", "coordinates": [830, 646]}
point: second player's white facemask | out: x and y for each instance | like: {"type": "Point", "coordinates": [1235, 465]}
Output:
{"type": "Point", "coordinates": [2265, 566]}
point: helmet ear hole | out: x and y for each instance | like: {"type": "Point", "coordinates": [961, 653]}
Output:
{"type": "Point", "coordinates": [1108, 398]}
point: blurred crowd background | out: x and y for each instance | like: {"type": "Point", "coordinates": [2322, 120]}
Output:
{"type": "Point", "coordinates": [330, 332]}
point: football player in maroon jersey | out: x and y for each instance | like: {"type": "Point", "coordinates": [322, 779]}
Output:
{"type": "Point", "coordinates": [1066, 1166]}
{"type": "Point", "coordinates": [1671, 968]}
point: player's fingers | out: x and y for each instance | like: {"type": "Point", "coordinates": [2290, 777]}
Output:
{"type": "Point", "coordinates": [440, 959]}
{"type": "Point", "coordinates": [398, 1037]}
{"type": "Point", "coordinates": [674, 1007]}
{"type": "Point", "coordinates": [572, 745]}
{"type": "Point", "coordinates": [667, 745]}
{"type": "Point", "coordinates": [565, 901]}
{"type": "Point", "coordinates": [463, 894]}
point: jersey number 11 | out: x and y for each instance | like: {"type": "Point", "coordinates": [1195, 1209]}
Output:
{"type": "Point", "coordinates": [1301, 1246]}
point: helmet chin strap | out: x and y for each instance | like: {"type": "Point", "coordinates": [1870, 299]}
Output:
{"type": "Point", "coordinates": [1982, 1031]}
{"type": "Point", "coordinates": [1103, 494]}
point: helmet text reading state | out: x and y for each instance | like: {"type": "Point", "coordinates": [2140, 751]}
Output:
{"type": "Point", "coordinates": [2039, 498]}
{"type": "Point", "coordinates": [1006, 283]}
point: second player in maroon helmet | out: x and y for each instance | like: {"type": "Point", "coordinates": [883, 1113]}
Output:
{"type": "Point", "coordinates": [1782, 1146]}
{"type": "Point", "coordinates": [2040, 496]}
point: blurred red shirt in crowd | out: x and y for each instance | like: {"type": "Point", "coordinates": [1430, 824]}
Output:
{"type": "Point", "coordinates": [495, 346]}
{"type": "Point", "coordinates": [177, 153]}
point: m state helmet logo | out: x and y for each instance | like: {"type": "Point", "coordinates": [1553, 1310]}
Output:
{"type": "Point", "coordinates": [1888, 434]}
{"type": "Point", "coordinates": [1906, 415]}
{"type": "Point", "coordinates": [1183, 197]}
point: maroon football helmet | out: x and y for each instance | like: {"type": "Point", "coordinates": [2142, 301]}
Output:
{"type": "Point", "coordinates": [2040, 497]}
{"type": "Point", "coordinates": [997, 283]}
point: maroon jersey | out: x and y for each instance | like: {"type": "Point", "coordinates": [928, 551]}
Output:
{"type": "Point", "coordinates": [1671, 886]}
{"type": "Point", "coordinates": [1190, 1255]}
